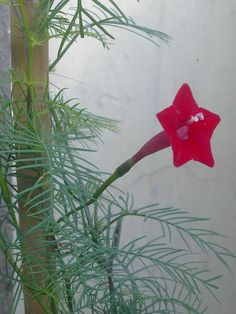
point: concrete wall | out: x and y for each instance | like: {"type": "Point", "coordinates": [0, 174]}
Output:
{"type": "Point", "coordinates": [136, 79]}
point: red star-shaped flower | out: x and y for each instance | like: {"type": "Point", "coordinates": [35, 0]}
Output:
{"type": "Point", "coordinates": [189, 128]}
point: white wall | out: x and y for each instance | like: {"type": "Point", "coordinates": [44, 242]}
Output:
{"type": "Point", "coordinates": [136, 79]}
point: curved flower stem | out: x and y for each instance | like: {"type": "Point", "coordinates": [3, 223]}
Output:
{"type": "Point", "coordinates": [119, 172]}
{"type": "Point", "coordinates": [156, 143]}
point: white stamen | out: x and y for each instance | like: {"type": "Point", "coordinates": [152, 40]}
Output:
{"type": "Point", "coordinates": [197, 117]}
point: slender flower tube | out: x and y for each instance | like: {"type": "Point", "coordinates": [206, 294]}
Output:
{"type": "Point", "coordinates": [156, 143]}
{"type": "Point", "coordinates": [187, 129]}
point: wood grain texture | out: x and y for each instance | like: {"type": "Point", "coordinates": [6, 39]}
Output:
{"type": "Point", "coordinates": [30, 65]}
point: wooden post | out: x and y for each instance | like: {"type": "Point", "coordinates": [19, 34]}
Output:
{"type": "Point", "coordinates": [30, 66]}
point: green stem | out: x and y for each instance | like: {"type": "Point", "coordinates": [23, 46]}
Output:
{"type": "Point", "coordinates": [119, 172]}
{"type": "Point", "coordinates": [29, 47]}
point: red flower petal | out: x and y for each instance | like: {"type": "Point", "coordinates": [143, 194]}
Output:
{"type": "Point", "coordinates": [184, 103]}
{"type": "Point", "coordinates": [207, 126]}
{"type": "Point", "coordinates": [202, 153]}
{"type": "Point", "coordinates": [169, 120]}
{"type": "Point", "coordinates": [182, 151]}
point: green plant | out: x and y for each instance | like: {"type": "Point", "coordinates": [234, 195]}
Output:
{"type": "Point", "coordinates": [67, 255]}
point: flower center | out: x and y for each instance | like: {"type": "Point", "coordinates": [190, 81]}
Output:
{"type": "Point", "coordinates": [197, 117]}
{"type": "Point", "coordinates": [183, 132]}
